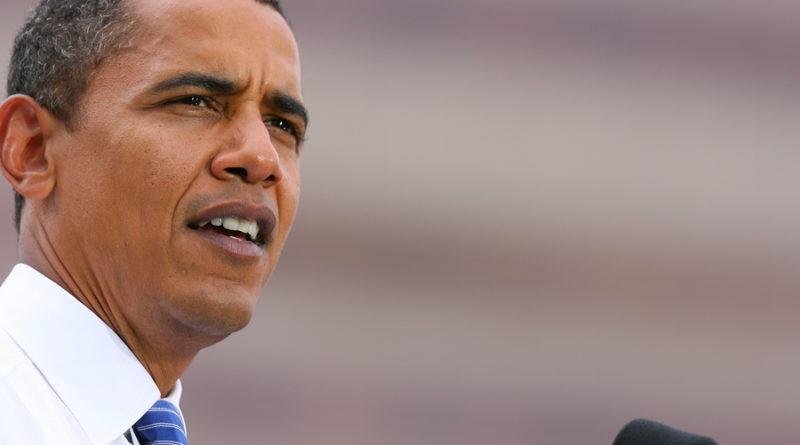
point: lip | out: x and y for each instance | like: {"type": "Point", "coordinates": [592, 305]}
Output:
{"type": "Point", "coordinates": [260, 212]}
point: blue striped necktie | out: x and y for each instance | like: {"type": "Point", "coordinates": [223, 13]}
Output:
{"type": "Point", "coordinates": [161, 425]}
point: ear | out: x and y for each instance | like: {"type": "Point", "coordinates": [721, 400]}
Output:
{"type": "Point", "coordinates": [26, 162]}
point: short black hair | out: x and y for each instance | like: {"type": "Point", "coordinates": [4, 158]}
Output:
{"type": "Point", "coordinates": [59, 46]}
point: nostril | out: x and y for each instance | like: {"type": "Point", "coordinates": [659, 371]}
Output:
{"type": "Point", "coordinates": [237, 171]}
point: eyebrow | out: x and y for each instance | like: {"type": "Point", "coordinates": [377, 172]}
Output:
{"type": "Point", "coordinates": [213, 84]}
{"type": "Point", "coordinates": [288, 104]}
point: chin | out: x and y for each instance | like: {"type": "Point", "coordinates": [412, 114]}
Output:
{"type": "Point", "coordinates": [218, 316]}
{"type": "Point", "coordinates": [226, 324]}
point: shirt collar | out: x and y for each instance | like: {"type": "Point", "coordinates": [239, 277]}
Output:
{"type": "Point", "coordinates": [88, 366]}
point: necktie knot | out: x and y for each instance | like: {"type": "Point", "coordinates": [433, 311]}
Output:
{"type": "Point", "coordinates": [161, 425]}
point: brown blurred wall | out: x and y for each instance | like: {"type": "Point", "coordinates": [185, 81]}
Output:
{"type": "Point", "coordinates": [526, 223]}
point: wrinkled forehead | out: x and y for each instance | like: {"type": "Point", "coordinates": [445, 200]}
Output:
{"type": "Point", "coordinates": [206, 14]}
{"type": "Point", "coordinates": [244, 38]}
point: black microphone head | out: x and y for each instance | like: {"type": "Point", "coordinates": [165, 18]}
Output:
{"type": "Point", "coordinates": [647, 432]}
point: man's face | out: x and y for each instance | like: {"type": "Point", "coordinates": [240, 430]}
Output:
{"type": "Point", "coordinates": [196, 123]}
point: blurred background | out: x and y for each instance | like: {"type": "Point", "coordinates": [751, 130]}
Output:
{"type": "Point", "coordinates": [526, 222]}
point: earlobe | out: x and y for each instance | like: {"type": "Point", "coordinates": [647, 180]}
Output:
{"type": "Point", "coordinates": [26, 162]}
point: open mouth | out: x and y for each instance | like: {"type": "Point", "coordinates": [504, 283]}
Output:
{"type": "Point", "coordinates": [234, 227]}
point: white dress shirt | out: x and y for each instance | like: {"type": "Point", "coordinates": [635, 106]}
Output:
{"type": "Point", "coordinates": [65, 377]}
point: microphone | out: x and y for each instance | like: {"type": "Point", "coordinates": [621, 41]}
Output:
{"type": "Point", "coordinates": [647, 432]}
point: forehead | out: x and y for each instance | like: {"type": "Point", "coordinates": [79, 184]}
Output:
{"type": "Point", "coordinates": [246, 40]}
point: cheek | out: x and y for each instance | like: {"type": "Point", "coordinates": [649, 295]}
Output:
{"type": "Point", "coordinates": [137, 177]}
{"type": "Point", "coordinates": [289, 195]}
{"type": "Point", "coordinates": [156, 168]}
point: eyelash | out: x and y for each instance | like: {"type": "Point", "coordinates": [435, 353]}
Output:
{"type": "Point", "coordinates": [280, 123]}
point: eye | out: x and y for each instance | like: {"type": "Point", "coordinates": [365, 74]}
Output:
{"type": "Point", "coordinates": [193, 101]}
{"type": "Point", "coordinates": [284, 125]}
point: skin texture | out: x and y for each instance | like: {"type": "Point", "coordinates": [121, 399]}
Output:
{"type": "Point", "coordinates": [110, 204]}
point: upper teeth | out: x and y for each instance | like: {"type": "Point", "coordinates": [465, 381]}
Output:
{"type": "Point", "coordinates": [245, 226]}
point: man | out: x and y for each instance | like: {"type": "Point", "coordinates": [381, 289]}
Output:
{"type": "Point", "coordinates": [153, 145]}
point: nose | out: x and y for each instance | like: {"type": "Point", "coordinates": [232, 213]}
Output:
{"type": "Point", "coordinates": [251, 156]}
